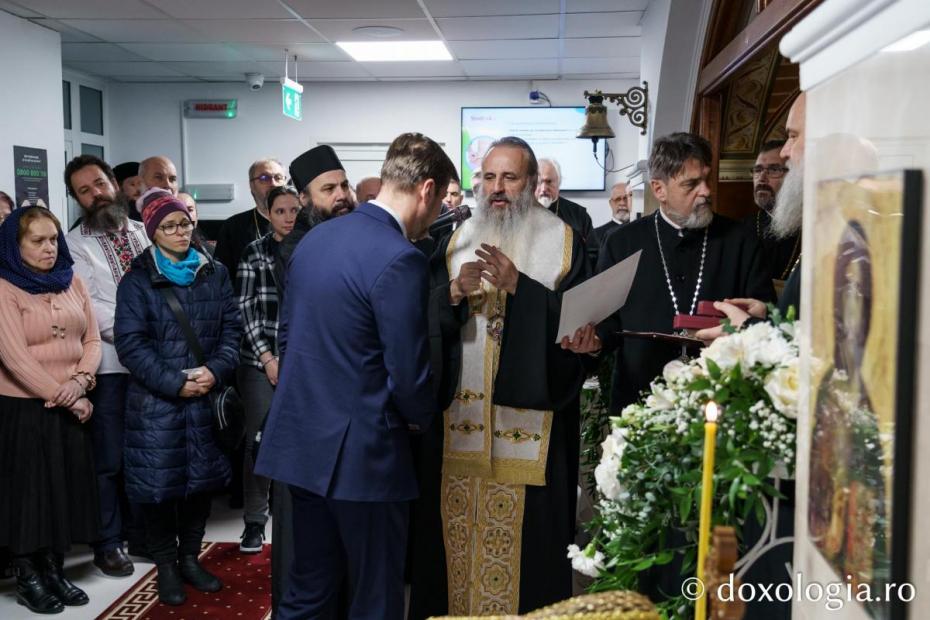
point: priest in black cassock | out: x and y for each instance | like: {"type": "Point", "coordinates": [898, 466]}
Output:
{"type": "Point", "coordinates": [548, 193]}
{"type": "Point", "coordinates": [498, 476]}
{"type": "Point", "coordinates": [621, 203]}
{"type": "Point", "coordinates": [779, 253]}
{"type": "Point", "coordinates": [688, 254]}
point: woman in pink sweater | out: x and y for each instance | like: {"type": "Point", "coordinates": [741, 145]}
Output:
{"type": "Point", "coordinates": [49, 352]}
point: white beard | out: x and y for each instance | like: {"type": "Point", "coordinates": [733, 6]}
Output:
{"type": "Point", "coordinates": [700, 217]}
{"type": "Point", "coordinates": [789, 203]}
{"type": "Point", "coordinates": [502, 227]}
{"type": "Point", "coordinates": [545, 201]}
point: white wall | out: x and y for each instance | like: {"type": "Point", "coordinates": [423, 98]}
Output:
{"type": "Point", "coordinates": [31, 107]}
{"type": "Point", "coordinates": [145, 119]}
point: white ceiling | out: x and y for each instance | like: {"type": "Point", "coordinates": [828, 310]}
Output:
{"type": "Point", "coordinates": [221, 40]}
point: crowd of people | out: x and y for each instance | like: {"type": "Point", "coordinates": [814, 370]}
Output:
{"type": "Point", "coordinates": [419, 422]}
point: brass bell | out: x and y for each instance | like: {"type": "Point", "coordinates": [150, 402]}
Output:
{"type": "Point", "coordinates": [595, 125]}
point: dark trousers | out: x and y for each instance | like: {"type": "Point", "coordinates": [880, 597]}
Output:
{"type": "Point", "coordinates": [364, 540]}
{"type": "Point", "coordinates": [176, 527]}
{"type": "Point", "coordinates": [109, 400]}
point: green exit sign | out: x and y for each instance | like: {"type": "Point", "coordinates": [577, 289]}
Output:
{"type": "Point", "coordinates": [291, 92]}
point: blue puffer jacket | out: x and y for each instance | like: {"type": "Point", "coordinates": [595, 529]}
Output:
{"type": "Point", "coordinates": [169, 451]}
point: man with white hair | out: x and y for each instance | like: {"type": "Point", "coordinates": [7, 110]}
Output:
{"type": "Point", "coordinates": [548, 194]}
{"type": "Point", "coordinates": [498, 477]}
{"type": "Point", "coordinates": [621, 204]}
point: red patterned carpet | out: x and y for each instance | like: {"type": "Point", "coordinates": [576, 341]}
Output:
{"type": "Point", "coordinates": [246, 593]}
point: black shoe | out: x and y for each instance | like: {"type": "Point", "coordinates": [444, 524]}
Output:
{"type": "Point", "coordinates": [32, 593]}
{"type": "Point", "coordinates": [50, 567]}
{"type": "Point", "coordinates": [114, 563]}
{"type": "Point", "coordinates": [170, 585]}
{"type": "Point", "coordinates": [252, 538]}
{"type": "Point", "coordinates": [195, 574]}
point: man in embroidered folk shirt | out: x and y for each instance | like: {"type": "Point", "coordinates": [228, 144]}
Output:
{"type": "Point", "coordinates": [103, 246]}
{"type": "Point", "coordinates": [779, 254]}
{"type": "Point", "coordinates": [498, 476]}
{"type": "Point", "coordinates": [689, 254]}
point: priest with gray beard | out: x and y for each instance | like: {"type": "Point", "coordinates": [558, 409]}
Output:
{"type": "Point", "coordinates": [498, 475]}
{"type": "Point", "coordinates": [689, 254]}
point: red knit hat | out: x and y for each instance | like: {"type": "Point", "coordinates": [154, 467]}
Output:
{"type": "Point", "coordinates": [156, 204]}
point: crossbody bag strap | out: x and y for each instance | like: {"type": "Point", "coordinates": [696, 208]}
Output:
{"type": "Point", "coordinates": [181, 316]}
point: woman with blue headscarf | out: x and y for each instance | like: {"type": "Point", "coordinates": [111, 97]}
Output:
{"type": "Point", "coordinates": [49, 352]}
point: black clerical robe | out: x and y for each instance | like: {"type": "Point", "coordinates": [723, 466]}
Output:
{"type": "Point", "coordinates": [598, 235]}
{"type": "Point", "coordinates": [237, 232]}
{"type": "Point", "coordinates": [778, 255]}
{"type": "Point", "coordinates": [732, 268]}
{"type": "Point", "coordinates": [575, 216]}
{"type": "Point", "coordinates": [532, 373]}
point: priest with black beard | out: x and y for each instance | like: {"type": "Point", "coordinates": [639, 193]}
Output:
{"type": "Point", "coordinates": [688, 254]}
{"type": "Point", "coordinates": [498, 477]}
{"type": "Point", "coordinates": [323, 192]}
{"type": "Point", "coordinates": [779, 253]}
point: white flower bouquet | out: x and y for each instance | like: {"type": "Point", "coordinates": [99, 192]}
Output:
{"type": "Point", "coordinates": [649, 474]}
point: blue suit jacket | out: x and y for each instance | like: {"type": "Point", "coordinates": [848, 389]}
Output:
{"type": "Point", "coordinates": [355, 372]}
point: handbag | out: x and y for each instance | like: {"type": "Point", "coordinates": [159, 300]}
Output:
{"type": "Point", "coordinates": [226, 404]}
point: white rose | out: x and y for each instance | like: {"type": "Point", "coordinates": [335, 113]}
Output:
{"type": "Point", "coordinates": [613, 444]}
{"type": "Point", "coordinates": [726, 351]}
{"type": "Point", "coordinates": [605, 474]}
{"type": "Point", "coordinates": [661, 399]}
{"type": "Point", "coordinates": [675, 370]}
{"type": "Point", "coordinates": [782, 388]}
{"type": "Point", "coordinates": [588, 562]}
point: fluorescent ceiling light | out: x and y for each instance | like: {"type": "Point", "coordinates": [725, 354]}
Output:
{"type": "Point", "coordinates": [910, 42]}
{"type": "Point", "coordinates": [381, 51]}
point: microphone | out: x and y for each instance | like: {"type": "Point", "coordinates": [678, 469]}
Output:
{"type": "Point", "coordinates": [455, 215]}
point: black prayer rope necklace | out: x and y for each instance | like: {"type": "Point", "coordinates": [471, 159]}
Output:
{"type": "Point", "coordinates": [668, 279]}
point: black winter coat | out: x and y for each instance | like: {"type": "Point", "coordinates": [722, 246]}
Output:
{"type": "Point", "coordinates": [169, 450]}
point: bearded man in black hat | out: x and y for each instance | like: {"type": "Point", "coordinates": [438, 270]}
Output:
{"type": "Point", "coordinates": [324, 193]}
{"type": "Point", "coordinates": [130, 184]}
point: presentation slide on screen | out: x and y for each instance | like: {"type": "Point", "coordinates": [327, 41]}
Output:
{"type": "Point", "coordinates": [549, 131]}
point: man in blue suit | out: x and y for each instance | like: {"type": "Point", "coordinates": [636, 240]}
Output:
{"type": "Point", "coordinates": [355, 382]}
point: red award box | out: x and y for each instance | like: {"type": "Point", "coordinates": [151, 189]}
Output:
{"type": "Point", "coordinates": [706, 308]}
{"type": "Point", "coordinates": [689, 321]}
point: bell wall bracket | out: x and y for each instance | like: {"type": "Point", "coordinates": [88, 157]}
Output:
{"type": "Point", "coordinates": [634, 104]}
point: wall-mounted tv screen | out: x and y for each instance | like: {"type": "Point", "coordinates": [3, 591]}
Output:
{"type": "Point", "coordinates": [549, 131]}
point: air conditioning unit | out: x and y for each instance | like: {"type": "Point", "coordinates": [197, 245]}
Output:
{"type": "Point", "coordinates": [212, 192]}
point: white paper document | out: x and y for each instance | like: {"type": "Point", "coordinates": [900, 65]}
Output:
{"type": "Point", "coordinates": [594, 300]}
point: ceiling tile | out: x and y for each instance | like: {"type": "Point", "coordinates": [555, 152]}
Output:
{"type": "Point", "coordinates": [79, 52]}
{"type": "Point", "coordinates": [231, 9]}
{"type": "Point", "coordinates": [141, 69]}
{"type": "Point", "coordinates": [342, 29]}
{"type": "Point", "coordinates": [479, 8]}
{"type": "Point", "coordinates": [276, 31]}
{"type": "Point", "coordinates": [615, 47]}
{"type": "Point", "coordinates": [17, 10]}
{"type": "Point", "coordinates": [229, 69]}
{"type": "Point", "coordinates": [368, 9]}
{"type": "Point", "coordinates": [414, 69]}
{"type": "Point", "coordinates": [480, 28]}
{"type": "Point", "coordinates": [593, 6]}
{"type": "Point", "coordinates": [92, 9]}
{"type": "Point", "coordinates": [68, 34]}
{"type": "Point", "coordinates": [585, 25]}
{"type": "Point", "coordinates": [205, 52]}
{"type": "Point", "coordinates": [600, 65]}
{"type": "Point", "coordinates": [305, 52]}
{"type": "Point", "coordinates": [577, 77]}
{"type": "Point", "coordinates": [316, 70]}
{"type": "Point", "coordinates": [516, 68]}
{"type": "Point", "coordinates": [516, 48]}
{"type": "Point", "coordinates": [150, 79]}
{"type": "Point", "coordinates": [136, 31]}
